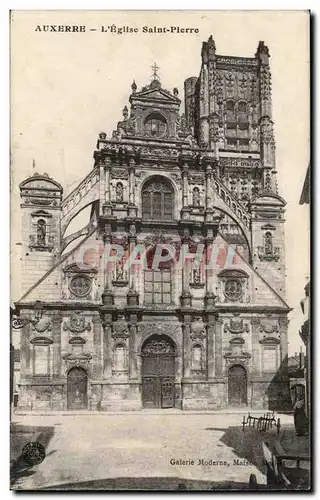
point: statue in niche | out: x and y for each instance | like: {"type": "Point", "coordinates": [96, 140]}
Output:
{"type": "Point", "coordinates": [41, 232]}
{"type": "Point", "coordinates": [119, 271]}
{"type": "Point", "coordinates": [119, 192]}
{"type": "Point", "coordinates": [196, 197]}
{"type": "Point", "coordinates": [196, 275]}
{"type": "Point", "coordinates": [268, 243]}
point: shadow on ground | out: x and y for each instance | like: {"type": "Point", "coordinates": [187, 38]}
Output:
{"type": "Point", "coordinates": [20, 435]}
{"type": "Point", "coordinates": [247, 444]}
{"type": "Point", "coordinates": [149, 483]}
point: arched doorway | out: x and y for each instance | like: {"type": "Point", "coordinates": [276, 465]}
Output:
{"type": "Point", "coordinates": [77, 389]}
{"type": "Point", "coordinates": [158, 372]}
{"type": "Point", "coordinates": [237, 386]}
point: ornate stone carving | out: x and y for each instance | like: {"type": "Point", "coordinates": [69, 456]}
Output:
{"type": "Point", "coordinates": [196, 179]}
{"type": "Point", "coordinates": [41, 325]}
{"type": "Point", "coordinates": [81, 359]}
{"type": "Point", "coordinates": [120, 330]}
{"type": "Point", "coordinates": [159, 328]}
{"type": "Point", "coordinates": [236, 326]}
{"type": "Point", "coordinates": [198, 332]}
{"type": "Point", "coordinates": [77, 324]}
{"type": "Point", "coordinates": [242, 358]}
{"type": "Point", "coordinates": [158, 346]}
{"type": "Point", "coordinates": [119, 173]}
{"type": "Point", "coordinates": [269, 326]}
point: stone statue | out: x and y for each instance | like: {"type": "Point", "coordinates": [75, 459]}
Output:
{"type": "Point", "coordinates": [119, 192]}
{"type": "Point", "coordinates": [41, 232]}
{"type": "Point", "coordinates": [196, 197]}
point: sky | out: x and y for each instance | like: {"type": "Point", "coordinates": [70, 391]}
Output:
{"type": "Point", "coordinates": [68, 87]}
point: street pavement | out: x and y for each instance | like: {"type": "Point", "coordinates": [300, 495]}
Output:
{"type": "Point", "coordinates": [139, 450]}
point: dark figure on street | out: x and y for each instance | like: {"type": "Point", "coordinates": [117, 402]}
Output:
{"type": "Point", "coordinates": [300, 417]}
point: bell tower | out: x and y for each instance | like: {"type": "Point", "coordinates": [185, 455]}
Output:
{"type": "Point", "coordinates": [41, 213]}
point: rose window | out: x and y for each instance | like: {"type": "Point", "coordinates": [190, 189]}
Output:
{"type": "Point", "coordinates": [80, 285]}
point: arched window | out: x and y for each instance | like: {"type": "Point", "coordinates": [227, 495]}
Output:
{"type": "Point", "coordinates": [157, 199]}
{"type": "Point", "coordinates": [268, 243]}
{"type": "Point", "coordinates": [196, 357]}
{"type": "Point", "coordinates": [242, 111]}
{"type": "Point", "coordinates": [230, 111]}
{"type": "Point", "coordinates": [41, 232]}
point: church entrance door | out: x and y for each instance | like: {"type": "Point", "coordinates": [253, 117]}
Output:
{"type": "Point", "coordinates": [77, 389]}
{"type": "Point", "coordinates": [158, 372]}
{"type": "Point", "coordinates": [237, 386]}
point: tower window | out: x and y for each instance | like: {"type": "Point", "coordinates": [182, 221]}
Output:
{"type": "Point", "coordinates": [268, 243]}
{"type": "Point", "coordinates": [41, 232]}
{"type": "Point", "coordinates": [155, 125]}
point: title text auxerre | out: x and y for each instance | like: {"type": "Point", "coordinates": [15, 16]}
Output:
{"type": "Point", "coordinates": [113, 28]}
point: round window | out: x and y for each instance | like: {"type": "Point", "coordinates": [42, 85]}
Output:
{"type": "Point", "coordinates": [155, 126]}
{"type": "Point", "coordinates": [233, 289]}
{"type": "Point", "coordinates": [80, 285]}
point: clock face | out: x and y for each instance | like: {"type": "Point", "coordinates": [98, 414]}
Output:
{"type": "Point", "coordinates": [156, 126]}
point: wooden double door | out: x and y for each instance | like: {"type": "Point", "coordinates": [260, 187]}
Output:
{"type": "Point", "coordinates": [237, 386]}
{"type": "Point", "coordinates": [158, 373]}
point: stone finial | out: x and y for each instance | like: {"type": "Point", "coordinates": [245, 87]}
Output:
{"type": "Point", "coordinates": [175, 92]}
{"type": "Point", "coordinates": [263, 53]}
{"type": "Point", "coordinates": [102, 136]}
{"type": "Point", "coordinates": [134, 87]}
{"type": "Point", "coordinates": [211, 43]}
{"type": "Point", "coordinates": [125, 113]}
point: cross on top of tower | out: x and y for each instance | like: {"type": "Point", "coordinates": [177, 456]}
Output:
{"type": "Point", "coordinates": [155, 68]}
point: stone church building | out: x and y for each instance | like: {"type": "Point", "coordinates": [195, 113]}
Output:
{"type": "Point", "coordinates": [99, 334]}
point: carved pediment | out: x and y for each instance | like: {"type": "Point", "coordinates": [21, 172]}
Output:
{"type": "Point", "coordinates": [38, 181]}
{"type": "Point", "coordinates": [157, 94]}
{"type": "Point", "coordinates": [41, 213]}
{"type": "Point", "coordinates": [237, 341]}
{"type": "Point", "coordinates": [77, 341]}
{"type": "Point", "coordinates": [41, 341]}
{"type": "Point", "coordinates": [74, 268]}
{"type": "Point", "coordinates": [269, 341]}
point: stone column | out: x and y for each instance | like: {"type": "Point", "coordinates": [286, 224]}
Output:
{"type": "Point", "coordinates": [108, 295]}
{"type": "Point", "coordinates": [107, 180]}
{"type": "Point", "coordinates": [187, 264]}
{"type": "Point", "coordinates": [107, 346]}
{"type": "Point", "coordinates": [186, 332]}
{"type": "Point", "coordinates": [26, 368]}
{"type": "Point", "coordinates": [210, 264]}
{"type": "Point", "coordinates": [133, 365]}
{"type": "Point", "coordinates": [208, 187]}
{"type": "Point", "coordinates": [96, 358]}
{"type": "Point", "coordinates": [211, 355]}
{"type": "Point", "coordinates": [185, 185]}
{"type": "Point", "coordinates": [56, 346]}
{"type": "Point", "coordinates": [131, 181]}
{"type": "Point", "coordinates": [218, 349]}
{"type": "Point", "coordinates": [256, 348]}
{"type": "Point", "coordinates": [102, 181]}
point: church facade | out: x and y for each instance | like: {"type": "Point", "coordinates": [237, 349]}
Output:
{"type": "Point", "coordinates": [104, 326]}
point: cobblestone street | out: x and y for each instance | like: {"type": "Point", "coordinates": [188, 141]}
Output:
{"type": "Point", "coordinates": [140, 450]}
